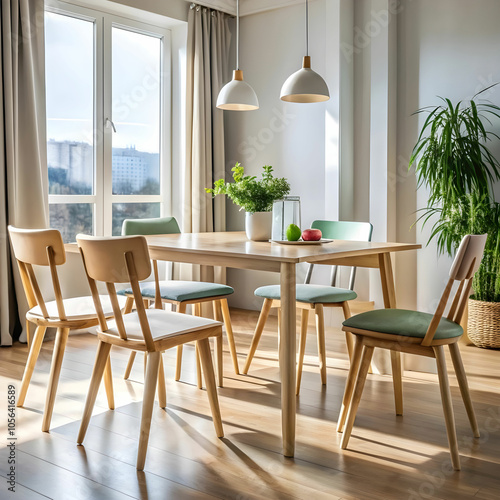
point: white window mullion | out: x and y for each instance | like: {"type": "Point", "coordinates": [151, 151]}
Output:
{"type": "Point", "coordinates": [72, 198]}
{"type": "Point", "coordinates": [99, 128]}
{"type": "Point", "coordinates": [107, 142]}
{"type": "Point", "coordinates": [166, 132]}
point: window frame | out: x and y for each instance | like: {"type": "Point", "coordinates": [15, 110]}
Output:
{"type": "Point", "coordinates": [103, 197]}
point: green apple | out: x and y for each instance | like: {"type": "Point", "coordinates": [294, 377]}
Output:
{"type": "Point", "coordinates": [293, 232]}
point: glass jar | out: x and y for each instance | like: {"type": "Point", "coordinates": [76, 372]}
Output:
{"type": "Point", "coordinates": [285, 212]}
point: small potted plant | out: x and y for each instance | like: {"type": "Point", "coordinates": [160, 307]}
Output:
{"type": "Point", "coordinates": [255, 196]}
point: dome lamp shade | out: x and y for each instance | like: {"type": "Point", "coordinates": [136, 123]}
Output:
{"type": "Point", "coordinates": [237, 95]}
{"type": "Point", "coordinates": [305, 85]}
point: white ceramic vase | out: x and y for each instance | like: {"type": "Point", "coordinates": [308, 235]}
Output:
{"type": "Point", "coordinates": [258, 226]}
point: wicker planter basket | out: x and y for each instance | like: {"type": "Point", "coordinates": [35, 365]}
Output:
{"type": "Point", "coordinates": [483, 325]}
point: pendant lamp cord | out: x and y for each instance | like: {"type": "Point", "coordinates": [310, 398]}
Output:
{"type": "Point", "coordinates": [237, 34]}
{"type": "Point", "coordinates": [307, 28]}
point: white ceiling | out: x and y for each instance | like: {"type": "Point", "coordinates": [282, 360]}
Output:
{"type": "Point", "coordinates": [247, 7]}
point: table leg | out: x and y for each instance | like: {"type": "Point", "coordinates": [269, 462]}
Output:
{"type": "Point", "coordinates": [287, 358]}
{"type": "Point", "coordinates": [387, 279]}
{"type": "Point", "coordinates": [389, 292]}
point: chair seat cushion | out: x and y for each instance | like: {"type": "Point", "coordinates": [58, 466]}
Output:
{"type": "Point", "coordinates": [162, 324]}
{"type": "Point", "coordinates": [312, 294]}
{"type": "Point", "coordinates": [402, 322]}
{"type": "Point", "coordinates": [180, 291]}
{"type": "Point", "coordinates": [78, 308]}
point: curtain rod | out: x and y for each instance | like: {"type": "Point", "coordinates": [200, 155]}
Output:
{"type": "Point", "coordinates": [204, 4]}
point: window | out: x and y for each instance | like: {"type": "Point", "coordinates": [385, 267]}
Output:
{"type": "Point", "coordinates": [108, 125]}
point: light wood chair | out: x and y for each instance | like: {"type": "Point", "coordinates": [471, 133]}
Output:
{"type": "Point", "coordinates": [421, 334]}
{"type": "Point", "coordinates": [126, 260]}
{"type": "Point", "coordinates": [314, 297]}
{"type": "Point", "coordinates": [180, 294]}
{"type": "Point", "coordinates": [45, 247]}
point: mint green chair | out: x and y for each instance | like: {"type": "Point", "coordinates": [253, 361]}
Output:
{"type": "Point", "coordinates": [315, 297]}
{"type": "Point", "coordinates": [180, 294]}
{"type": "Point", "coordinates": [417, 333]}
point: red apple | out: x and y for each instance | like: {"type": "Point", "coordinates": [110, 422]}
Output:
{"type": "Point", "coordinates": [311, 235]}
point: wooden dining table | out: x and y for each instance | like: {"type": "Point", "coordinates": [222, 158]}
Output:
{"type": "Point", "coordinates": [234, 250]}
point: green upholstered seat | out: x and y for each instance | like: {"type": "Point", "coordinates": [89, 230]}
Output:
{"type": "Point", "coordinates": [179, 291]}
{"type": "Point", "coordinates": [312, 294]}
{"type": "Point", "coordinates": [402, 322]}
{"type": "Point", "coordinates": [159, 225]}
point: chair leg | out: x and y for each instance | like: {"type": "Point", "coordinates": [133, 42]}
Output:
{"type": "Point", "coordinates": [55, 370]}
{"type": "Point", "coordinates": [444, 387]}
{"type": "Point", "coordinates": [129, 304]}
{"type": "Point", "coordinates": [208, 371]}
{"type": "Point", "coordinates": [397, 381]}
{"type": "Point", "coordinates": [126, 310]}
{"type": "Point", "coordinates": [356, 397]}
{"type": "Point", "coordinates": [147, 405]}
{"type": "Point", "coordinates": [320, 330]}
{"type": "Point", "coordinates": [162, 390]}
{"type": "Point", "coordinates": [178, 363]}
{"type": "Point", "coordinates": [464, 387]}
{"type": "Point", "coordinates": [101, 361]}
{"type": "Point", "coordinates": [349, 339]}
{"type": "Point", "coordinates": [28, 334]}
{"type": "Point", "coordinates": [181, 308]}
{"type": "Point", "coordinates": [349, 386]}
{"type": "Point", "coordinates": [302, 347]}
{"type": "Point", "coordinates": [108, 384]}
{"type": "Point", "coordinates": [199, 379]}
{"type": "Point", "coordinates": [145, 364]}
{"type": "Point", "coordinates": [264, 313]}
{"type": "Point", "coordinates": [34, 351]}
{"type": "Point", "coordinates": [130, 363]}
{"type": "Point", "coordinates": [230, 336]}
{"type": "Point", "coordinates": [219, 344]}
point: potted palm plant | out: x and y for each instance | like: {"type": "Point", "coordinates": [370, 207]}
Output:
{"type": "Point", "coordinates": [452, 159]}
{"type": "Point", "coordinates": [255, 196]}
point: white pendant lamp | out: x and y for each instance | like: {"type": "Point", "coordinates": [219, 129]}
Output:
{"type": "Point", "coordinates": [237, 95]}
{"type": "Point", "coordinates": [305, 85]}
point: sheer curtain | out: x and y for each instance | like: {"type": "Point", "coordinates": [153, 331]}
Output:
{"type": "Point", "coordinates": [207, 71]}
{"type": "Point", "coordinates": [23, 158]}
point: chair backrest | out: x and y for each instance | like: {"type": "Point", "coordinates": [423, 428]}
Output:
{"type": "Point", "coordinates": [341, 230]}
{"type": "Point", "coordinates": [344, 230]}
{"type": "Point", "coordinates": [466, 263]}
{"type": "Point", "coordinates": [123, 259]}
{"type": "Point", "coordinates": [160, 225]}
{"type": "Point", "coordinates": [39, 247]}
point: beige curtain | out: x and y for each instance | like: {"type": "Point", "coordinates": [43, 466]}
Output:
{"type": "Point", "coordinates": [23, 158]}
{"type": "Point", "coordinates": [207, 72]}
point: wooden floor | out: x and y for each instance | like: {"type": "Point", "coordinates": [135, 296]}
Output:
{"type": "Point", "coordinates": [389, 457]}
